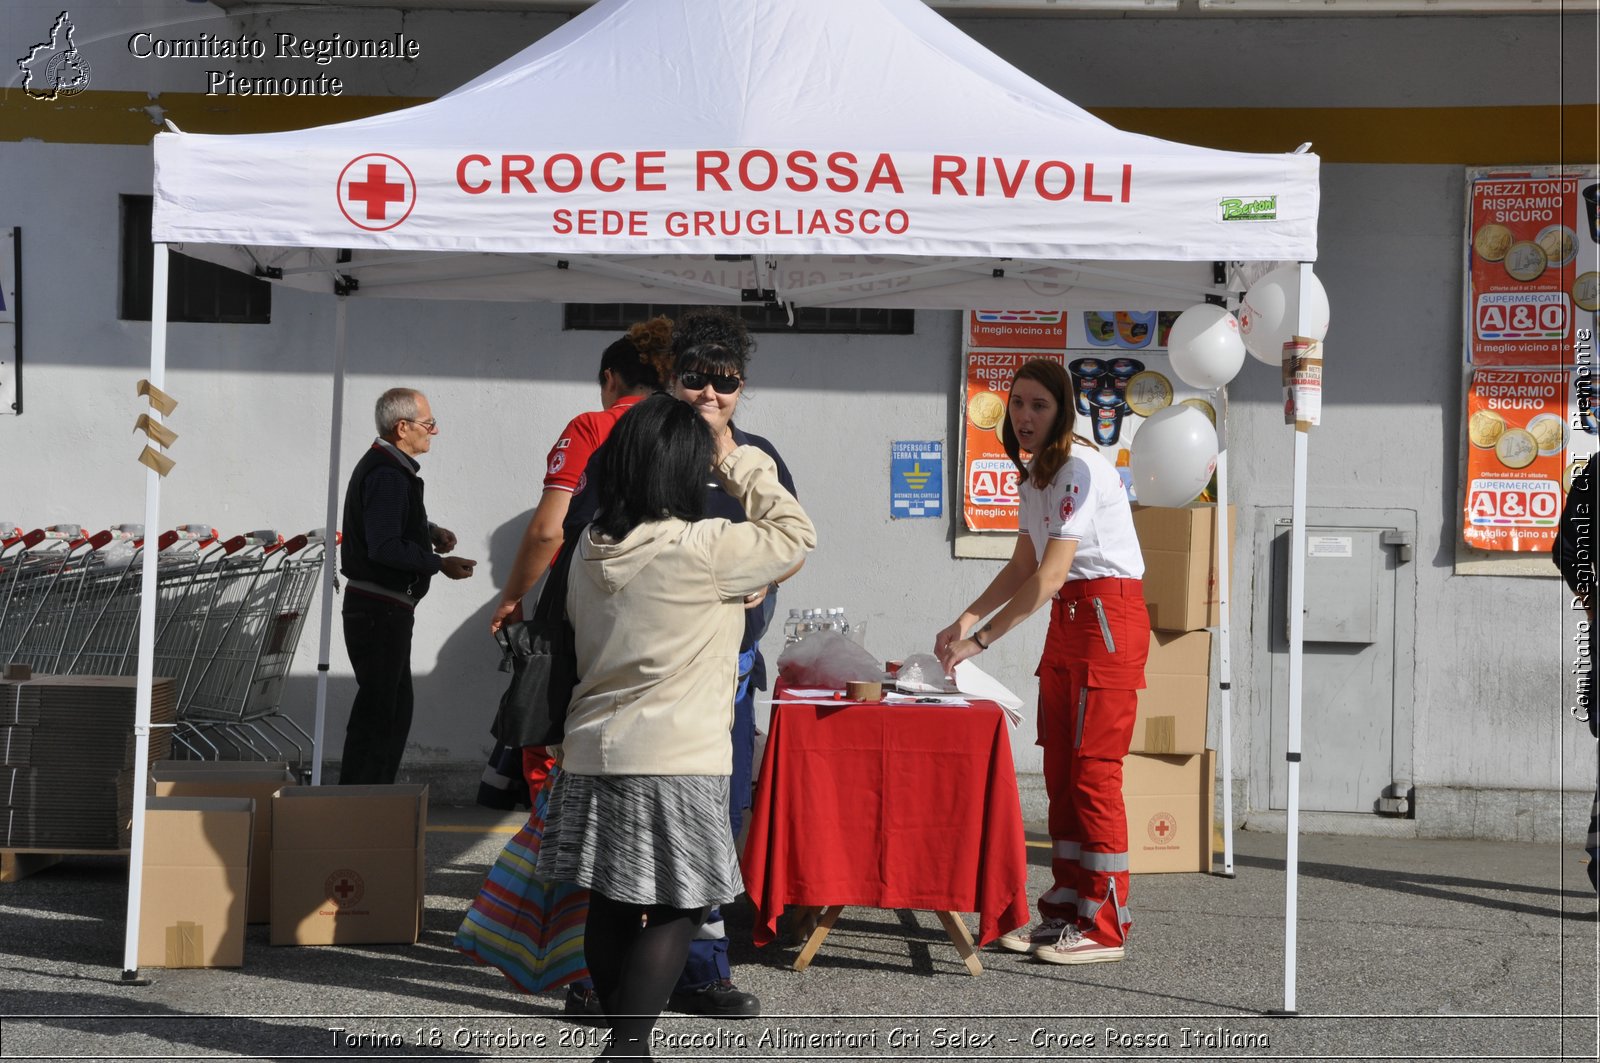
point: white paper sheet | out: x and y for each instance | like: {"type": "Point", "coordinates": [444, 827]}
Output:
{"type": "Point", "coordinates": [976, 683]}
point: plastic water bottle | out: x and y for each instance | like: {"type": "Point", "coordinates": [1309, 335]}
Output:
{"type": "Point", "coordinates": [837, 621]}
{"type": "Point", "coordinates": [791, 628]}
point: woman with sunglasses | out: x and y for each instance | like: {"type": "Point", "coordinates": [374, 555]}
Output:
{"type": "Point", "coordinates": [633, 367]}
{"type": "Point", "coordinates": [1076, 549]}
{"type": "Point", "coordinates": [712, 349]}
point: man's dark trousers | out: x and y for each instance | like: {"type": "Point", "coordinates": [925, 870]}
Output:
{"type": "Point", "coordinates": [377, 636]}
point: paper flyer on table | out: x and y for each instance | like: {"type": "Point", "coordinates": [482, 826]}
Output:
{"type": "Point", "coordinates": [976, 683]}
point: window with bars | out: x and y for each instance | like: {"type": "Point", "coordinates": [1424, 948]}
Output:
{"type": "Point", "coordinates": [197, 291]}
{"type": "Point", "coordinates": [757, 318]}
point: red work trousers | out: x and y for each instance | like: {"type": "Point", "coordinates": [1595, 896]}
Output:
{"type": "Point", "coordinates": [1093, 665]}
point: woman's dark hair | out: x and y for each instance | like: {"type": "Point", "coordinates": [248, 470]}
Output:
{"type": "Point", "coordinates": [653, 466]}
{"type": "Point", "coordinates": [711, 341]}
{"type": "Point", "coordinates": [642, 358]}
{"type": "Point", "coordinates": [1047, 460]}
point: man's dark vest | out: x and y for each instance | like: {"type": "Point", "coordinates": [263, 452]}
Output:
{"type": "Point", "coordinates": [354, 561]}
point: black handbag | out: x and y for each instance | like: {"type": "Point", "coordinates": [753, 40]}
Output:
{"type": "Point", "coordinates": [540, 656]}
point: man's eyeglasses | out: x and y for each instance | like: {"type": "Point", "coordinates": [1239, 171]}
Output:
{"type": "Point", "coordinates": [430, 425]}
{"type": "Point", "coordinates": [722, 385]}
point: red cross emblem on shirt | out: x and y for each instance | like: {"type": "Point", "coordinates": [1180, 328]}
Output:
{"type": "Point", "coordinates": [376, 192]}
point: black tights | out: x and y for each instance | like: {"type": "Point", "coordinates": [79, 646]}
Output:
{"type": "Point", "coordinates": [635, 953]}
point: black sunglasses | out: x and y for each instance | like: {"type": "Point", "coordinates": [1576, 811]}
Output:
{"type": "Point", "coordinates": [723, 385]}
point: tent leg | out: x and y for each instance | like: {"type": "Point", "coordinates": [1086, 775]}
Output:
{"type": "Point", "coordinates": [1224, 657]}
{"type": "Point", "coordinates": [1297, 598]}
{"type": "Point", "coordinates": [147, 631]}
{"type": "Point", "coordinates": [330, 556]}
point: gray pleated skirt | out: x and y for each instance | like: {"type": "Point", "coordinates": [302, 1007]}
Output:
{"type": "Point", "coordinates": [643, 839]}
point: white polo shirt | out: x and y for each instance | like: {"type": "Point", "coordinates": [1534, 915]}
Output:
{"type": "Point", "coordinates": [1085, 502]}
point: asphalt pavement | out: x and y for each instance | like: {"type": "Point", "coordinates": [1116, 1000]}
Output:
{"type": "Point", "coordinates": [1406, 949]}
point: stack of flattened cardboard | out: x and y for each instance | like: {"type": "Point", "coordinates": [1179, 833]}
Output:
{"type": "Point", "coordinates": [67, 779]}
{"type": "Point", "coordinates": [1169, 776]}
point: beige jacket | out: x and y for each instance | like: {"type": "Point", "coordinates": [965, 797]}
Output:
{"type": "Point", "coordinates": [658, 617]}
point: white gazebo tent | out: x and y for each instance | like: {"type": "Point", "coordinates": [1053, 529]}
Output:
{"type": "Point", "coordinates": [807, 152]}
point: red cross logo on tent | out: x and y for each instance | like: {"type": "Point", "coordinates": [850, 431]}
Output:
{"type": "Point", "coordinates": [376, 192]}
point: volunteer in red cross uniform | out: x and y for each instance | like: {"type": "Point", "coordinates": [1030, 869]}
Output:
{"type": "Point", "coordinates": [1076, 549]}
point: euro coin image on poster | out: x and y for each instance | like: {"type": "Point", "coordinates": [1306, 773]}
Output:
{"type": "Point", "coordinates": [1570, 473]}
{"type": "Point", "coordinates": [1148, 392]}
{"type": "Point", "coordinates": [1550, 432]}
{"type": "Point", "coordinates": [1204, 407]}
{"type": "Point", "coordinates": [1517, 448]}
{"type": "Point", "coordinates": [1485, 428]}
{"type": "Point", "coordinates": [986, 409]}
{"type": "Point", "coordinates": [1586, 291]}
{"type": "Point", "coordinates": [1492, 241]}
{"type": "Point", "coordinates": [1558, 243]}
{"type": "Point", "coordinates": [1525, 261]}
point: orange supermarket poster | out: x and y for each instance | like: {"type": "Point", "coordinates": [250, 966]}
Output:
{"type": "Point", "coordinates": [1534, 275]}
{"type": "Point", "coordinates": [1520, 428]}
{"type": "Point", "coordinates": [1035, 330]}
{"type": "Point", "coordinates": [989, 480]}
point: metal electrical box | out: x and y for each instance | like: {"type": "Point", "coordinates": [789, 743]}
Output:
{"type": "Point", "coordinates": [1342, 570]}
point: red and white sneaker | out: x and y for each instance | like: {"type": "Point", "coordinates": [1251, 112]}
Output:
{"type": "Point", "coordinates": [1074, 947]}
{"type": "Point", "coordinates": [1029, 938]}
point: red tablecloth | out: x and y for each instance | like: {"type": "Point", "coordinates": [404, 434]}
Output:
{"type": "Point", "coordinates": [888, 806]}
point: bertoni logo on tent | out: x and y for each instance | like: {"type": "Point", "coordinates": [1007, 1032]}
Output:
{"type": "Point", "coordinates": [376, 192]}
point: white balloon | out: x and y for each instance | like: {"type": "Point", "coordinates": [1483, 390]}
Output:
{"type": "Point", "coordinates": [1206, 346]}
{"type": "Point", "coordinates": [1173, 456]}
{"type": "Point", "coordinates": [1270, 313]}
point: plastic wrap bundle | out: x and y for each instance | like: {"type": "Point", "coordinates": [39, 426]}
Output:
{"type": "Point", "coordinates": [827, 659]}
{"type": "Point", "coordinates": [921, 673]}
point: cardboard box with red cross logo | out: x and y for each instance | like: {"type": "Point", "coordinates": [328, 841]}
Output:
{"type": "Point", "coordinates": [347, 864]}
{"type": "Point", "coordinates": [1170, 809]}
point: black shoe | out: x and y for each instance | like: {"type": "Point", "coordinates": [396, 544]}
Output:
{"type": "Point", "coordinates": [583, 1001]}
{"type": "Point", "coordinates": [721, 999]}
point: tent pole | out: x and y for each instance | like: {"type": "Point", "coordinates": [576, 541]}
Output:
{"type": "Point", "coordinates": [1297, 597]}
{"type": "Point", "coordinates": [145, 680]}
{"type": "Point", "coordinates": [1224, 658]}
{"type": "Point", "coordinates": [330, 557]}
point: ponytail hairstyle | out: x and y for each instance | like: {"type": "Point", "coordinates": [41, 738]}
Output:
{"type": "Point", "coordinates": [1048, 459]}
{"type": "Point", "coordinates": [642, 358]}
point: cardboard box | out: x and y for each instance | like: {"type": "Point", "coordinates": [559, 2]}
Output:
{"type": "Point", "coordinates": [1170, 811]}
{"type": "Point", "coordinates": [1172, 706]}
{"type": "Point", "coordinates": [257, 781]}
{"type": "Point", "coordinates": [347, 864]}
{"type": "Point", "coordinates": [1180, 564]}
{"type": "Point", "coordinates": [193, 888]}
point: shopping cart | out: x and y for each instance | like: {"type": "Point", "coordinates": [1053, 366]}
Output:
{"type": "Point", "coordinates": [228, 619]}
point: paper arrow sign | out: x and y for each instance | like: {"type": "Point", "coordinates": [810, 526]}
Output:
{"type": "Point", "coordinates": [156, 460]}
{"type": "Point", "coordinates": [155, 430]}
{"type": "Point", "coordinates": [158, 398]}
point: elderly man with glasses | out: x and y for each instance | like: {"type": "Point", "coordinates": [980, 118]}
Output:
{"type": "Point", "coordinates": [389, 554]}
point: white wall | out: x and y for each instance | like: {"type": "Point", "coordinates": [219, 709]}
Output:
{"type": "Point", "coordinates": [503, 378]}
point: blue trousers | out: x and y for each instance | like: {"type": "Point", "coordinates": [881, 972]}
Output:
{"type": "Point", "coordinates": [708, 952]}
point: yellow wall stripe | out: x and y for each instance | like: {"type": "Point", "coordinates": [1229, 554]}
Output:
{"type": "Point", "coordinates": [1426, 135]}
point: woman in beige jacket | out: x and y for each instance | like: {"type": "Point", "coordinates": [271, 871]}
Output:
{"type": "Point", "coordinates": [639, 815]}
